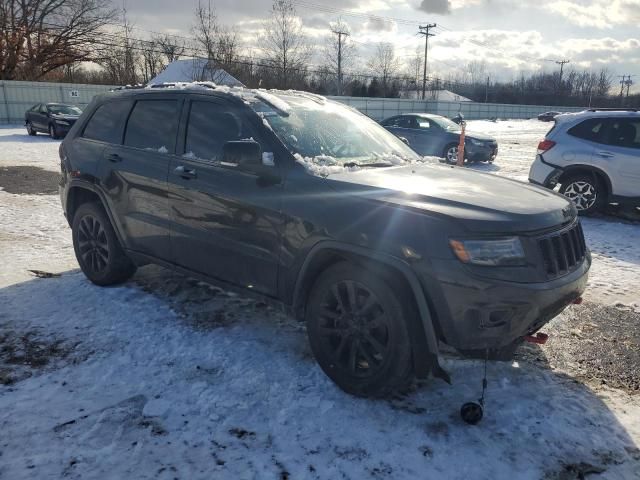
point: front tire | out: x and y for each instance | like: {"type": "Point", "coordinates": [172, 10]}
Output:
{"type": "Point", "coordinates": [358, 332]}
{"type": "Point", "coordinates": [52, 132]}
{"type": "Point", "coordinates": [585, 191]}
{"type": "Point", "coordinates": [30, 130]}
{"type": "Point", "coordinates": [97, 248]}
{"type": "Point", "coordinates": [450, 153]}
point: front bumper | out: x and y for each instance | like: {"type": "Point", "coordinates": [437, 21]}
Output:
{"type": "Point", "coordinates": [473, 312]}
{"type": "Point", "coordinates": [480, 153]}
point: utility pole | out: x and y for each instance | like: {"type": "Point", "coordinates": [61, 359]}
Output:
{"type": "Point", "coordinates": [424, 30]}
{"type": "Point", "coordinates": [624, 80]}
{"type": "Point", "coordinates": [628, 83]}
{"type": "Point", "coordinates": [562, 64]}
{"type": "Point", "coordinates": [486, 92]}
{"type": "Point", "coordinates": [340, 33]}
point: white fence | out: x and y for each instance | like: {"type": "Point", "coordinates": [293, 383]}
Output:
{"type": "Point", "coordinates": [17, 97]}
{"type": "Point", "coordinates": [379, 108]}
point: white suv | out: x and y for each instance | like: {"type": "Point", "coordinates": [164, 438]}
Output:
{"type": "Point", "coordinates": [594, 157]}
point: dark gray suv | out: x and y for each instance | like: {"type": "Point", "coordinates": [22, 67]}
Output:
{"type": "Point", "coordinates": [310, 204]}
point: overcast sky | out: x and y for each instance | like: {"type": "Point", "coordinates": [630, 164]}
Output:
{"type": "Point", "coordinates": [509, 35]}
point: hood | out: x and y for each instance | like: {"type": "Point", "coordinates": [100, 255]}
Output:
{"type": "Point", "coordinates": [66, 117]}
{"type": "Point", "coordinates": [482, 202]}
{"type": "Point", "coordinates": [476, 135]}
{"type": "Point", "coordinates": [479, 136]}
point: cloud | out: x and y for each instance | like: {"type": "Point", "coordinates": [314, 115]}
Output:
{"type": "Point", "coordinates": [377, 24]}
{"type": "Point", "coordinates": [440, 7]}
{"type": "Point", "coordinates": [596, 13]}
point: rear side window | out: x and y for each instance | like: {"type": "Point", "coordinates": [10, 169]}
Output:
{"type": "Point", "coordinates": [153, 125]}
{"type": "Point", "coordinates": [591, 130]}
{"type": "Point", "coordinates": [210, 126]}
{"type": "Point", "coordinates": [624, 132]}
{"type": "Point", "coordinates": [399, 122]}
{"type": "Point", "coordinates": [107, 122]}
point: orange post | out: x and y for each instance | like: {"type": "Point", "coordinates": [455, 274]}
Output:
{"type": "Point", "coordinates": [460, 161]}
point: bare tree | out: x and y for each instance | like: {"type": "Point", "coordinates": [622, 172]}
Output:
{"type": "Point", "coordinates": [205, 29]}
{"type": "Point", "coordinates": [414, 69]}
{"type": "Point", "coordinates": [151, 60]}
{"type": "Point", "coordinates": [39, 36]}
{"type": "Point", "coordinates": [385, 65]}
{"type": "Point", "coordinates": [339, 52]}
{"type": "Point", "coordinates": [285, 45]}
{"type": "Point", "coordinates": [120, 55]}
{"type": "Point", "coordinates": [171, 47]}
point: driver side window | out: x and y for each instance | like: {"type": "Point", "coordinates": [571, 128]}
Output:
{"type": "Point", "coordinates": [210, 126]}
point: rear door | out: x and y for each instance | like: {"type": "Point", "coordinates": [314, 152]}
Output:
{"type": "Point", "coordinates": [134, 173]}
{"type": "Point", "coordinates": [623, 153]}
{"type": "Point", "coordinates": [226, 222]}
{"type": "Point", "coordinates": [401, 126]}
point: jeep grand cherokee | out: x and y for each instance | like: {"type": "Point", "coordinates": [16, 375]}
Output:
{"type": "Point", "coordinates": [312, 205]}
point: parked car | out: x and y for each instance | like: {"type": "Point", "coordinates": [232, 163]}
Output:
{"type": "Point", "coordinates": [548, 116]}
{"type": "Point", "coordinates": [438, 136]}
{"type": "Point", "coordinates": [594, 158]}
{"type": "Point", "coordinates": [53, 118]}
{"type": "Point", "coordinates": [311, 205]}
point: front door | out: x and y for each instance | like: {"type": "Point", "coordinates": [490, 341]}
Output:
{"type": "Point", "coordinates": [226, 221]}
{"type": "Point", "coordinates": [134, 174]}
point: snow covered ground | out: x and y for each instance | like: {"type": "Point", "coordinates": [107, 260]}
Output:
{"type": "Point", "coordinates": [166, 377]}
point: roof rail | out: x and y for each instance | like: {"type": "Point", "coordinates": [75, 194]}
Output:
{"type": "Point", "coordinates": [612, 110]}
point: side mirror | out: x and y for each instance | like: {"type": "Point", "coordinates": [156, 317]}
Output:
{"type": "Point", "coordinates": [244, 153]}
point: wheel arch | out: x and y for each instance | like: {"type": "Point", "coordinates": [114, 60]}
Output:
{"type": "Point", "coordinates": [327, 253]}
{"type": "Point", "coordinates": [81, 191]}
{"type": "Point", "coordinates": [596, 173]}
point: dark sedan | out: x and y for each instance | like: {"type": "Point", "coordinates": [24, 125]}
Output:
{"type": "Point", "coordinates": [53, 118]}
{"type": "Point", "coordinates": [438, 136]}
{"type": "Point", "coordinates": [548, 116]}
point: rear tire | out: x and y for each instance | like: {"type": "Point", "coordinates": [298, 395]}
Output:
{"type": "Point", "coordinates": [358, 332]}
{"type": "Point", "coordinates": [585, 191]}
{"type": "Point", "coordinates": [97, 248]}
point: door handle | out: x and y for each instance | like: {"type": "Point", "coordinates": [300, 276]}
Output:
{"type": "Point", "coordinates": [606, 154]}
{"type": "Point", "coordinates": [114, 158]}
{"type": "Point", "coordinates": [185, 173]}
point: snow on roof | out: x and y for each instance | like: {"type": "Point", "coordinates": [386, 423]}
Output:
{"type": "Point", "coordinates": [195, 70]}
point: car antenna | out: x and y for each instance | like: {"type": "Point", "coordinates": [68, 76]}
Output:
{"type": "Point", "coordinates": [472, 412]}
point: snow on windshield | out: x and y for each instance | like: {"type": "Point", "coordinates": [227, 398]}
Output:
{"type": "Point", "coordinates": [331, 136]}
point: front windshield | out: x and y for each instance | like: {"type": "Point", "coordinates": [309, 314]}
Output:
{"type": "Point", "coordinates": [328, 132]}
{"type": "Point", "coordinates": [64, 110]}
{"type": "Point", "coordinates": [446, 123]}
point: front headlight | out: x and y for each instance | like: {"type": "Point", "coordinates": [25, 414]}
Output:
{"type": "Point", "coordinates": [62, 122]}
{"type": "Point", "coordinates": [475, 142]}
{"type": "Point", "coordinates": [497, 253]}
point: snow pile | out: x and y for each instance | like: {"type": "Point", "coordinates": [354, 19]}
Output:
{"type": "Point", "coordinates": [321, 165]}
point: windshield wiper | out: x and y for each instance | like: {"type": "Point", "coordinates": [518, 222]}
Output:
{"type": "Point", "coordinates": [373, 165]}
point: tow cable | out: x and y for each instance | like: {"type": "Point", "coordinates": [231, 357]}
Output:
{"type": "Point", "coordinates": [472, 412]}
